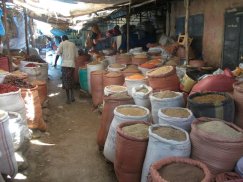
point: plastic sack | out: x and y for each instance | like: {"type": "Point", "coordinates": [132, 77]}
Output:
{"type": "Point", "coordinates": [110, 145]}
{"type": "Point", "coordinates": [140, 98]}
{"type": "Point", "coordinates": [160, 148]}
{"type": "Point", "coordinates": [130, 83]}
{"type": "Point", "coordinates": [157, 103]}
{"type": "Point", "coordinates": [184, 123]}
{"type": "Point", "coordinates": [18, 129]}
{"type": "Point", "coordinates": [8, 162]}
{"type": "Point", "coordinates": [109, 90]}
{"type": "Point", "coordinates": [92, 67]}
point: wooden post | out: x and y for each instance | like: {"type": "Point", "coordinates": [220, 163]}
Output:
{"type": "Point", "coordinates": [128, 27]}
{"type": "Point", "coordinates": [6, 34]}
{"type": "Point", "coordinates": [186, 2]}
{"type": "Point", "coordinates": [26, 32]}
{"type": "Point", "coordinates": [31, 32]}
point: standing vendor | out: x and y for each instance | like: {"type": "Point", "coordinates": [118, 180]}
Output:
{"type": "Point", "coordinates": [94, 38]}
{"type": "Point", "coordinates": [67, 50]}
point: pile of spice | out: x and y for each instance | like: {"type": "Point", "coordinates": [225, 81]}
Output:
{"type": "Point", "coordinates": [160, 71]}
{"type": "Point", "coordinates": [221, 129]}
{"type": "Point", "coordinates": [30, 65]}
{"type": "Point", "coordinates": [170, 133]}
{"type": "Point", "coordinates": [136, 77]}
{"type": "Point", "coordinates": [176, 112]}
{"type": "Point", "coordinates": [131, 111]}
{"type": "Point", "coordinates": [6, 88]}
{"type": "Point", "coordinates": [17, 82]}
{"type": "Point", "coordinates": [139, 131]}
{"type": "Point", "coordinates": [178, 171]}
{"type": "Point", "coordinates": [209, 98]}
{"type": "Point", "coordinates": [165, 94]}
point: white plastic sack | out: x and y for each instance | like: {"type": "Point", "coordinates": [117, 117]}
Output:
{"type": "Point", "coordinates": [2, 76]}
{"type": "Point", "coordinates": [8, 164]}
{"type": "Point", "coordinates": [109, 91]}
{"type": "Point", "coordinates": [140, 98]}
{"type": "Point", "coordinates": [184, 123]}
{"type": "Point", "coordinates": [180, 71]}
{"type": "Point", "coordinates": [123, 66]}
{"type": "Point", "coordinates": [33, 72]}
{"type": "Point", "coordinates": [160, 148]}
{"type": "Point", "coordinates": [90, 68]}
{"type": "Point", "coordinates": [133, 83]}
{"type": "Point", "coordinates": [18, 129]}
{"type": "Point", "coordinates": [157, 103]}
{"type": "Point", "coordinates": [239, 167]}
{"type": "Point", "coordinates": [110, 143]}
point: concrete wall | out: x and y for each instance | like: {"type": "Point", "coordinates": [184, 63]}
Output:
{"type": "Point", "coordinates": [213, 36]}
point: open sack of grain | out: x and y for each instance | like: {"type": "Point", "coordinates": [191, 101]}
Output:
{"type": "Point", "coordinates": [131, 146]}
{"type": "Point", "coordinates": [134, 80]}
{"type": "Point", "coordinates": [141, 94]}
{"type": "Point", "coordinates": [122, 114]}
{"type": "Point", "coordinates": [113, 89]}
{"type": "Point", "coordinates": [217, 143]}
{"type": "Point", "coordinates": [179, 169]}
{"type": "Point", "coordinates": [165, 141]}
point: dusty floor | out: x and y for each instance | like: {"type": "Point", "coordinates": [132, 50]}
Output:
{"type": "Point", "coordinates": [68, 150]}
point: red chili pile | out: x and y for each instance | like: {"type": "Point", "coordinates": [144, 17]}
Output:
{"type": "Point", "coordinates": [6, 88]}
{"type": "Point", "coordinates": [31, 65]}
{"type": "Point", "coordinates": [18, 82]}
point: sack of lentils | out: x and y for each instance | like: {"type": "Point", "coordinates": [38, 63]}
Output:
{"type": "Point", "coordinates": [110, 103]}
{"type": "Point", "coordinates": [176, 116]}
{"type": "Point", "coordinates": [179, 169]}
{"type": "Point", "coordinates": [212, 104]}
{"type": "Point", "coordinates": [164, 99]}
{"type": "Point", "coordinates": [131, 146]}
{"type": "Point", "coordinates": [165, 141]}
{"type": "Point", "coordinates": [122, 114]}
{"type": "Point", "coordinates": [217, 143]}
{"type": "Point", "coordinates": [163, 78]}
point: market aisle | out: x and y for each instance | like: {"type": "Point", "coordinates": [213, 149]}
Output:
{"type": "Point", "coordinates": [68, 150]}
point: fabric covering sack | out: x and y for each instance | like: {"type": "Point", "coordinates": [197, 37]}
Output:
{"type": "Point", "coordinates": [110, 143]}
{"type": "Point", "coordinates": [130, 154]}
{"type": "Point", "coordinates": [157, 103]}
{"type": "Point", "coordinates": [213, 149]}
{"type": "Point", "coordinates": [156, 177]}
{"type": "Point", "coordinates": [18, 129]}
{"type": "Point", "coordinates": [33, 109]}
{"type": "Point", "coordinates": [110, 103]}
{"type": "Point", "coordinates": [140, 98]}
{"type": "Point", "coordinates": [224, 110]}
{"type": "Point", "coordinates": [184, 123]}
{"type": "Point", "coordinates": [160, 148]}
{"type": "Point", "coordinates": [7, 159]}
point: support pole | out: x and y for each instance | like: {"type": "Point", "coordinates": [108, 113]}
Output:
{"type": "Point", "coordinates": [6, 34]}
{"type": "Point", "coordinates": [186, 2]}
{"type": "Point", "coordinates": [31, 32]}
{"type": "Point", "coordinates": [128, 25]}
{"type": "Point", "coordinates": [26, 32]}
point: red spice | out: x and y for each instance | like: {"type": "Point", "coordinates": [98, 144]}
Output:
{"type": "Point", "coordinates": [31, 65]}
{"type": "Point", "coordinates": [5, 88]}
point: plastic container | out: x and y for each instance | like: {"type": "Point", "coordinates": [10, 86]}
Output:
{"type": "Point", "coordinates": [83, 80]}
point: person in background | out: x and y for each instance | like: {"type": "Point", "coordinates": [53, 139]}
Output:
{"type": "Point", "coordinates": [94, 38]}
{"type": "Point", "coordinates": [67, 50]}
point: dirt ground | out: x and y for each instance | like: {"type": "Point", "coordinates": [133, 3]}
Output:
{"type": "Point", "coordinates": [68, 150]}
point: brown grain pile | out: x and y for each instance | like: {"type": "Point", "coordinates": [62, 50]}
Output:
{"type": "Point", "coordinates": [131, 111]}
{"type": "Point", "coordinates": [176, 112]}
{"type": "Point", "coordinates": [182, 172]}
{"type": "Point", "coordinates": [113, 74]}
{"type": "Point", "coordinates": [170, 133]}
{"type": "Point", "coordinates": [116, 88]}
{"type": "Point", "coordinates": [210, 98]}
{"type": "Point", "coordinates": [120, 96]}
{"type": "Point", "coordinates": [139, 131]}
{"type": "Point", "coordinates": [160, 71]}
{"type": "Point", "coordinates": [221, 129]}
{"type": "Point", "coordinates": [165, 94]}
{"type": "Point", "coordinates": [116, 65]}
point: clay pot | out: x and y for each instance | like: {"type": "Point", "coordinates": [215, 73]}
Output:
{"type": "Point", "coordinates": [139, 61]}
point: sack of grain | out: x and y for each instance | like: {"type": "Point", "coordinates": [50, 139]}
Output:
{"type": "Point", "coordinates": [110, 103]}
{"type": "Point", "coordinates": [130, 70]}
{"type": "Point", "coordinates": [141, 94]}
{"type": "Point", "coordinates": [165, 99]}
{"type": "Point", "coordinates": [123, 59]}
{"type": "Point", "coordinates": [163, 78]}
{"type": "Point", "coordinates": [211, 140]}
{"type": "Point", "coordinates": [122, 114]}
{"type": "Point", "coordinates": [116, 67]}
{"type": "Point", "coordinates": [212, 104]}
{"type": "Point", "coordinates": [165, 141]}
{"type": "Point", "coordinates": [135, 80]}
{"type": "Point", "coordinates": [113, 78]}
{"type": "Point", "coordinates": [176, 116]}
{"type": "Point", "coordinates": [238, 99]}
{"type": "Point", "coordinates": [113, 89]}
{"type": "Point", "coordinates": [179, 169]}
{"type": "Point", "coordinates": [8, 162]}
{"type": "Point", "coordinates": [131, 146]}
{"type": "Point", "coordinates": [42, 89]}
{"type": "Point", "coordinates": [139, 59]}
